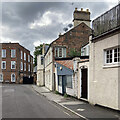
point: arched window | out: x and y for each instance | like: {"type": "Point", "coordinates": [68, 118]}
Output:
{"type": "Point", "coordinates": [13, 77]}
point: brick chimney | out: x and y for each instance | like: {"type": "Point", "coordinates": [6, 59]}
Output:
{"type": "Point", "coordinates": [81, 16]}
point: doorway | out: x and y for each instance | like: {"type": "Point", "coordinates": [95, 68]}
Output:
{"type": "Point", "coordinates": [84, 82]}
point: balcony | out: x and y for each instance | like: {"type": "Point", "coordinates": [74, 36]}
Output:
{"type": "Point", "coordinates": [106, 22]}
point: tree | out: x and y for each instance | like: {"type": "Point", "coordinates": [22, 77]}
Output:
{"type": "Point", "coordinates": [38, 51]}
{"type": "Point", "coordinates": [74, 53]}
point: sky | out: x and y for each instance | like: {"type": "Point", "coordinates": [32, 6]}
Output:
{"type": "Point", "coordinates": [34, 23]}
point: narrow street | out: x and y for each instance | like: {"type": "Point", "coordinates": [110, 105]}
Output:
{"type": "Point", "coordinates": [20, 101]}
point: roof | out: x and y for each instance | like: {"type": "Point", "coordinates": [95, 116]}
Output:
{"type": "Point", "coordinates": [66, 63]}
{"type": "Point", "coordinates": [67, 33]}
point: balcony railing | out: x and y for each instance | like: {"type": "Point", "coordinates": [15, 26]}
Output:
{"type": "Point", "coordinates": [106, 22]}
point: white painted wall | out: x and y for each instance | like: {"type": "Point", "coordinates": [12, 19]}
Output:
{"type": "Point", "coordinates": [86, 65]}
{"type": "Point", "coordinates": [104, 82]}
{"type": "Point", "coordinates": [49, 69]}
{"type": "Point", "coordinates": [40, 73]}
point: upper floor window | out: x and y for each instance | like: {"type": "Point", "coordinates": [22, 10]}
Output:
{"type": "Point", "coordinates": [1, 77]}
{"type": "Point", "coordinates": [28, 67]}
{"type": "Point", "coordinates": [3, 53]}
{"type": "Point", "coordinates": [21, 66]}
{"type": "Point", "coordinates": [13, 64]}
{"type": "Point", "coordinates": [60, 52]}
{"type": "Point", "coordinates": [42, 60]}
{"type": "Point", "coordinates": [3, 66]}
{"type": "Point", "coordinates": [21, 55]}
{"type": "Point", "coordinates": [28, 58]}
{"type": "Point", "coordinates": [13, 53]}
{"type": "Point", "coordinates": [24, 66]}
{"type": "Point", "coordinates": [112, 55]}
{"type": "Point", "coordinates": [24, 56]}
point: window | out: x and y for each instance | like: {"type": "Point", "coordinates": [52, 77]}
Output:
{"type": "Point", "coordinates": [13, 64]}
{"type": "Point", "coordinates": [60, 80]}
{"type": "Point", "coordinates": [24, 56]}
{"type": "Point", "coordinates": [42, 60]}
{"type": "Point", "coordinates": [28, 58]}
{"type": "Point", "coordinates": [28, 67]}
{"type": "Point", "coordinates": [21, 55]}
{"type": "Point", "coordinates": [21, 66]}
{"type": "Point", "coordinates": [13, 53]}
{"type": "Point", "coordinates": [69, 81]}
{"type": "Point", "coordinates": [112, 55]}
{"type": "Point", "coordinates": [13, 77]}
{"type": "Point", "coordinates": [1, 77]}
{"type": "Point", "coordinates": [3, 66]}
{"type": "Point", "coordinates": [3, 53]}
{"type": "Point", "coordinates": [60, 52]}
{"type": "Point", "coordinates": [24, 66]}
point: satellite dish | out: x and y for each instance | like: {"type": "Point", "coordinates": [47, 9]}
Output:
{"type": "Point", "coordinates": [65, 29]}
{"type": "Point", "coordinates": [70, 25]}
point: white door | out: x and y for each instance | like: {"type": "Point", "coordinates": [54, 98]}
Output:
{"type": "Point", "coordinates": [13, 79]}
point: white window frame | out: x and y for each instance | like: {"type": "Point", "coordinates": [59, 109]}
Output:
{"type": "Point", "coordinates": [58, 51]}
{"type": "Point", "coordinates": [24, 66]}
{"type": "Point", "coordinates": [12, 64]}
{"type": "Point", "coordinates": [28, 58]}
{"type": "Point", "coordinates": [21, 55]}
{"type": "Point", "coordinates": [2, 64]}
{"type": "Point", "coordinates": [12, 77]}
{"type": "Point", "coordinates": [21, 65]}
{"type": "Point", "coordinates": [29, 67]}
{"type": "Point", "coordinates": [13, 54]}
{"type": "Point", "coordinates": [1, 77]}
{"type": "Point", "coordinates": [3, 54]}
{"type": "Point", "coordinates": [105, 56]}
{"type": "Point", "coordinates": [24, 56]}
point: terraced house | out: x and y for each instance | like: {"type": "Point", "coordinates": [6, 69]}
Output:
{"type": "Point", "coordinates": [67, 43]}
{"type": "Point", "coordinates": [16, 63]}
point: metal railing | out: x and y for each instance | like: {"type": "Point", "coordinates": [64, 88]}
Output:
{"type": "Point", "coordinates": [107, 21]}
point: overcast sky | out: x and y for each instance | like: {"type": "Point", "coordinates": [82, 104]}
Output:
{"type": "Point", "coordinates": [33, 23]}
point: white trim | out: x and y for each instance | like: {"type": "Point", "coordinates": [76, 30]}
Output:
{"type": "Point", "coordinates": [1, 80]}
{"type": "Point", "coordinates": [2, 64]}
{"type": "Point", "coordinates": [12, 64]}
{"type": "Point", "coordinates": [3, 54]}
{"type": "Point", "coordinates": [12, 77]}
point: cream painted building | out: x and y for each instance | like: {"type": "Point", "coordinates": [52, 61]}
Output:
{"type": "Point", "coordinates": [40, 70]}
{"type": "Point", "coordinates": [104, 64]}
{"type": "Point", "coordinates": [49, 81]}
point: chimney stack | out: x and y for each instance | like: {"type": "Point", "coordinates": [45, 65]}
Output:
{"type": "Point", "coordinates": [81, 16]}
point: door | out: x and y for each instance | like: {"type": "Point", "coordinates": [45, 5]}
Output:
{"type": "Point", "coordinates": [84, 87]}
{"type": "Point", "coordinates": [63, 85]}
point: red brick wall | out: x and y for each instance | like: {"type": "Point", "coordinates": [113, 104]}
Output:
{"type": "Point", "coordinates": [8, 71]}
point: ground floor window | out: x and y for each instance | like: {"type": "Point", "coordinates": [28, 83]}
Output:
{"type": "Point", "coordinates": [13, 78]}
{"type": "Point", "coordinates": [1, 77]}
{"type": "Point", "coordinates": [69, 81]}
{"type": "Point", "coordinates": [60, 80]}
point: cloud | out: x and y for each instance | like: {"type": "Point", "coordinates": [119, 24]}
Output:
{"type": "Point", "coordinates": [33, 23]}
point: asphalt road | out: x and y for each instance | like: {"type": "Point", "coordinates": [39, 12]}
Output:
{"type": "Point", "coordinates": [21, 101]}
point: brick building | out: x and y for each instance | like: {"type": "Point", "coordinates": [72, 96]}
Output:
{"type": "Point", "coordinates": [16, 62]}
{"type": "Point", "coordinates": [66, 44]}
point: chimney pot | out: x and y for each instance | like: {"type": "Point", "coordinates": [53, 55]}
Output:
{"type": "Point", "coordinates": [76, 9]}
{"type": "Point", "coordinates": [87, 10]}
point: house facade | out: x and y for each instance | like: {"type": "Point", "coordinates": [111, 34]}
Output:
{"type": "Point", "coordinates": [64, 76]}
{"type": "Point", "coordinates": [104, 64]}
{"type": "Point", "coordinates": [16, 63]}
{"type": "Point", "coordinates": [65, 45]}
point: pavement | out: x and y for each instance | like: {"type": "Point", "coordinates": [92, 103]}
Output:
{"type": "Point", "coordinates": [79, 107]}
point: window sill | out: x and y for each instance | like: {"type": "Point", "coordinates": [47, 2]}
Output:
{"type": "Point", "coordinates": [111, 66]}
